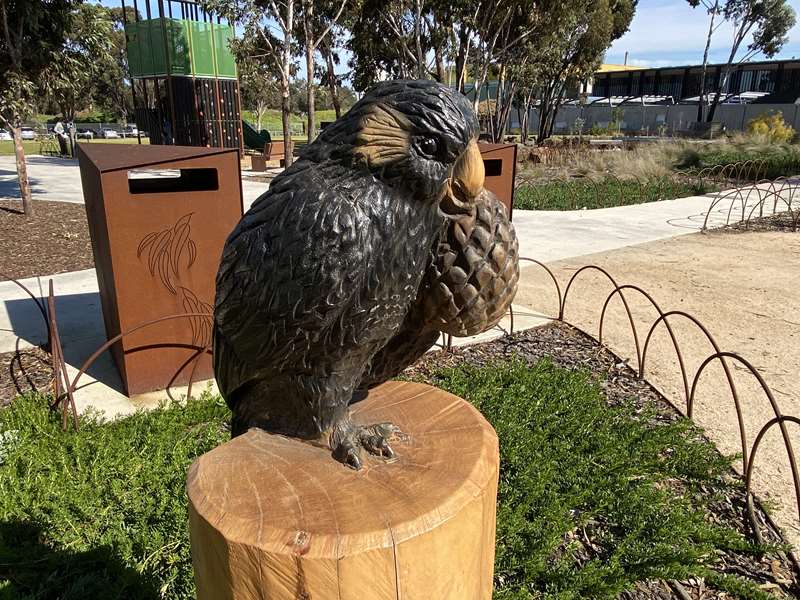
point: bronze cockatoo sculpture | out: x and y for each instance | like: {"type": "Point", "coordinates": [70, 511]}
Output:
{"type": "Point", "coordinates": [377, 239]}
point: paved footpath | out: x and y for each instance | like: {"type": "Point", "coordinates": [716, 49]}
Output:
{"type": "Point", "coordinates": [545, 235]}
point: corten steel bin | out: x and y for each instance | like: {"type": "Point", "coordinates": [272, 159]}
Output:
{"type": "Point", "coordinates": [500, 163]}
{"type": "Point", "coordinates": [158, 218]}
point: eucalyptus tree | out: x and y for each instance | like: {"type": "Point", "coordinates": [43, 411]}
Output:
{"type": "Point", "coordinates": [268, 36]}
{"type": "Point", "coordinates": [32, 35]}
{"type": "Point", "coordinates": [571, 46]}
{"type": "Point", "coordinates": [70, 78]}
{"type": "Point", "coordinates": [712, 7]}
{"type": "Point", "coordinates": [317, 18]}
{"type": "Point", "coordinates": [765, 22]}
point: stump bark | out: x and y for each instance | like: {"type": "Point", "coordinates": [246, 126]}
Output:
{"type": "Point", "coordinates": [277, 518]}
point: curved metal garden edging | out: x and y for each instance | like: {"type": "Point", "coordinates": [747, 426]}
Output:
{"type": "Point", "coordinates": [40, 304]}
{"type": "Point", "coordinates": [107, 344]}
{"type": "Point", "coordinates": [748, 452]}
{"type": "Point", "coordinates": [779, 190]}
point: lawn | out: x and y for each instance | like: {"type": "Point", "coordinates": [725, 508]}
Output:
{"type": "Point", "coordinates": [604, 193]}
{"type": "Point", "coordinates": [36, 146]}
{"type": "Point", "coordinates": [101, 513]}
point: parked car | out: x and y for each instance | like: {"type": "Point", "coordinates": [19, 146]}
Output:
{"type": "Point", "coordinates": [27, 133]}
{"type": "Point", "coordinates": [84, 133]}
{"type": "Point", "coordinates": [5, 136]}
{"type": "Point", "coordinates": [130, 131]}
{"type": "Point", "coordinates": [108, 134]}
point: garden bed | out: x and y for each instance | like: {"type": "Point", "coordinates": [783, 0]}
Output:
{"type": "Point", "coordinates": [54, 240]}
{"type": "Point", "coordinates": [605, 491]}
{"type": "Point", "coordinates": [585, 193]}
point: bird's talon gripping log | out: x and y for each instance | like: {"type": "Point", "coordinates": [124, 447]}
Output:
{"type": "Point", "coordinates": [380, 237]}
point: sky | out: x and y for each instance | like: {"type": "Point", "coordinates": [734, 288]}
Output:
{"type": "Point", "coordinates": [670, 33]}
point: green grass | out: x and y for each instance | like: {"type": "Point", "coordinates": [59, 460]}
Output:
{"type": "Point", "coordinates": [605, 193]}
{"type": "Point", "coordinates": [36, 146]}
{"type": "Point", "coordinates": [272, 118]}
{"type": "Point", "coordinates": [101, 513]}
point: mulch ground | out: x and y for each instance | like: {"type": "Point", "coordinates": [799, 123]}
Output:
{"type": "Point", "coordinates": [23, 372]}
{"type": "Point", "coordinates": [784, 221]}
{"type": "Point", "coordinates": [54, 240]}
{"type": "Point", "coordinates": [569, 348]}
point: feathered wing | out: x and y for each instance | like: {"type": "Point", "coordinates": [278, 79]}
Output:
{"type": "Point", "coordinates": [281, 286]}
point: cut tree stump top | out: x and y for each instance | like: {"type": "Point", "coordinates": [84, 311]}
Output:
{"type": "Point", "coordinates": [286, 496]}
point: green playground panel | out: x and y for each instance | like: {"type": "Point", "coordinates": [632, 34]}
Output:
{"type": "Point", "coordinates": [195, 48]}
{"type": "Point", "coordinates": [203, 48]}
{"type": "Point", "coordinates": [226, 63]}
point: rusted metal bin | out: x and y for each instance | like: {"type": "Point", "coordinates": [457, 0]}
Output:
{"type": "Point", "coordinates": [500, 163]}
{"type": "Point", "coordinates": [158, 218]}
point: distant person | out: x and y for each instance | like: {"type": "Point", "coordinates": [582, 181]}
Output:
{"type": "Point", "coordinates": [61, 136]}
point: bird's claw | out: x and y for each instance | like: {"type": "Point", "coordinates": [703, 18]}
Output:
{"type": "Point", "coordinates": [373, 438]}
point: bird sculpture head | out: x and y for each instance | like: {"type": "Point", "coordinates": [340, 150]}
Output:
{"type": "Point", "coordinates": [417, 135]}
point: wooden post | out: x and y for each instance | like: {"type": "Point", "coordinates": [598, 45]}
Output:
{"type": "Point", "coordinates": [276, 518]}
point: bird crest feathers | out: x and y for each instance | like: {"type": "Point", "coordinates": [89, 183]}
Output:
{"type": "Point", "coordinates": [383, 135]}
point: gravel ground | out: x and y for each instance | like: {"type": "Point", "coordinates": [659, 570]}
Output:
{"type": "Point", "coordinates": [569, 348]}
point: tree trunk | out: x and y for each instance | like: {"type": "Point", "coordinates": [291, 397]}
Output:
{"type": "Point", "coordinates": [701, 104]}
{"type": "Point", "coordinates": [726, 71]}
{"type": "Point", "coordinates": [260, 109]}
{"type": "Point", "coordinates": [308, 30]}
{"type": "Point", "coordinates": [461, 59]}
{"type": "Point", "coordinates": [310, 87]}
{"type": "Point", "coordinates": [285, 90]}
{"type": "Point", "coordinates": [22, 172]}
{"type": "Point", "coordinates": [723, 80]}
{"type": "Point", "coordinates": [421, 70]}
{"type": "Point", "coordinates": [441, 76]}
{"type": "Point", "coordinates": [337, 107]}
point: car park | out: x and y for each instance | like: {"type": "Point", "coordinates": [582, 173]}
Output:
{"type": "Point", "coordinates": [27, 133]}
{"type": "Point", "coordinates": [5, 136]}
{"type": "Point", "coordinates": [108, 134]}
{"type": "Point", "coordinates": [84, 133]}
{"type": "Point", "coordinates": [130, 131]}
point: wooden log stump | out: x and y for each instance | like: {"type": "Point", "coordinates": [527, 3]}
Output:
{"type": "Point", "coordinates": [276, 518]}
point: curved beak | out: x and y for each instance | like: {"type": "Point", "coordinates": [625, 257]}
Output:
{"type": "Point", "coordinates": [466, 182]}
{"type": "Point", "coordinates": [468, 172]}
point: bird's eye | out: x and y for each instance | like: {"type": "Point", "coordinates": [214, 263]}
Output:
{"type": "Point", "coordinates": [428, 146]}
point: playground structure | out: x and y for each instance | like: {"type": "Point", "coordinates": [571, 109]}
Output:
{"type": "Point", "coordinates": [183, 74]}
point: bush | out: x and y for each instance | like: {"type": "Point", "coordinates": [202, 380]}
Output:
{"type": "Point", "coordinates": [771, 126]}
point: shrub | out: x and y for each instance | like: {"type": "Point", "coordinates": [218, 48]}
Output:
{"type": "Point", "coordinates": [771, 126]}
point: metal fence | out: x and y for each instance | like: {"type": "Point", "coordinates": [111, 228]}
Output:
{"type": "Point", "coordinates": [655, 119]}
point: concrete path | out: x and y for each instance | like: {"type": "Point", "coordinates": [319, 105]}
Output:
{"type": "Point", "coordinates": [59, 179]}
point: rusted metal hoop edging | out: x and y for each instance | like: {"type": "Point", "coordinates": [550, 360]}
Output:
{"type": "Point", "coordinates": [552, 277]}
{"type": "Point", "coordinates": [716, 200]}
{"type": "Point", "coordinates": [647, 341]}
{"type": "Point", "coordinates": [40, 304]}
{"type": "Point", "coordinates": [59, 366]}
{"type": "Point", "coordinates": [767, 391]}
{"type": "Point", "coordinates": [194, 359]}
{"type": "Point", "coordinates": [106, 345]}
{"type": "Point", "coordinates": [621, 295]}
{"type": "Point", "coordinates": [780, 421]}
{"type": "Point", "coordinates": [725, 368]}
